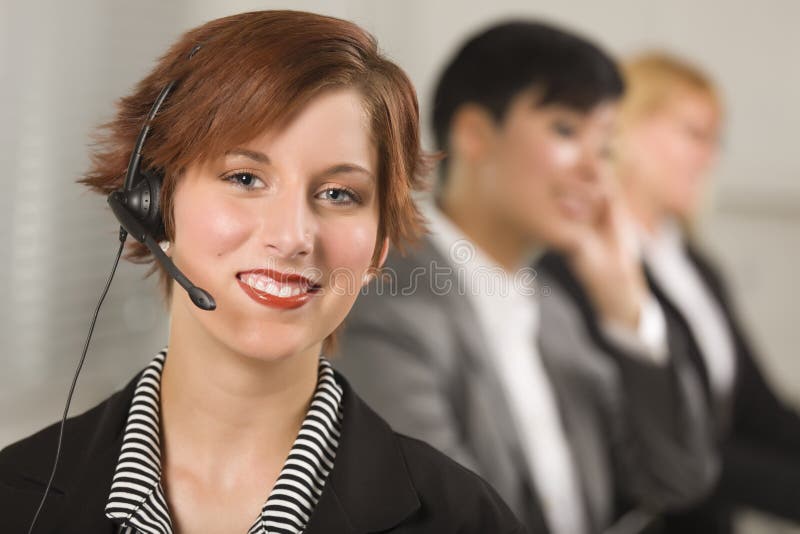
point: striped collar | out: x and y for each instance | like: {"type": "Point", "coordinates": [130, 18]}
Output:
{"type": "Point", "coordinates": [137, 501]}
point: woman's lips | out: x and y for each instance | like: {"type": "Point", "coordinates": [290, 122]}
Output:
{"type": "Point", "coordinates": [575, 207]}
{"type": "Point", "coordinates": [277, 289]}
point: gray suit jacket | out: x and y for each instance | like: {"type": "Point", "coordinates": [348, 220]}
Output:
{"type": "Point", "coordinates": [412, 348]}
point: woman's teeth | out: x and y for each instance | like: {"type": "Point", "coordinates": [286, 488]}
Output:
{"type": "Point", "coordinates": [273, 287]}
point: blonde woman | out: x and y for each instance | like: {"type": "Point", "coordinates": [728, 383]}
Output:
{"type": "Point", "coordinates": [671, 121]}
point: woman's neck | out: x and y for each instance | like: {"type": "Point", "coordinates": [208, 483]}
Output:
{"type": "Point", "coordinates": [509, 248]}
{"type": "Point", "coordinates": [225, 413]}
{"type": "Point", "coordinates": [644, 209]}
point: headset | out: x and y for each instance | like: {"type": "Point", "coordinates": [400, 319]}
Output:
{"type": "Point", "coordinates": [138, 210]}
{"type": "Point", "coordinates": [137, 207]}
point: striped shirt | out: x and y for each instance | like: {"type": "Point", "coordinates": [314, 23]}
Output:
{"type": "Point", "coordinates": [137, 500]}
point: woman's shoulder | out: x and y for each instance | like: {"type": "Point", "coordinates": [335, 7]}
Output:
{"type": "Point", "coordinates": [89, 449]}
{"type": "Point", "coordinates": [391, 482]}
{"type": "Point", "coordinates": [43, 442]}
{"type": "Point", "coordinates": [455, 492]}
{"type": "Point", "coordinates": [30, 460]}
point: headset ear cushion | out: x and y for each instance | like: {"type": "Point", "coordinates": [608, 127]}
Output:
{"type": "Point", "coordinates": [145, 202]}
{"type": "Point", "coordinates": [155, 219]}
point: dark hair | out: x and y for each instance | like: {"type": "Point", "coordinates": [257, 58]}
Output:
{"type": "Point", "coordinates": [256, 71]}
{"type": "Point", "coordinates": [497, 64]}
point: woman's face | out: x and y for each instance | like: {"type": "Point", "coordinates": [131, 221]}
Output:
{"type": "Point", "coordinates": [548, 169]}
{"type": "Point", "coordinates": [280, 231]}
{"type": "Point", "coordinates": [667, 155]}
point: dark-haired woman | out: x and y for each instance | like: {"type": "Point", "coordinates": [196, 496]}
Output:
{"type": "Point", "coordinates": [506, 378]}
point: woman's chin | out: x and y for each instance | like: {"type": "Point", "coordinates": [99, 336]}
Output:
{"type": "Point", "coordinates": [684, 210]}
{"type": "Point", "coordinates": [273, 344]}
{"type": "Point", "coordinates": [566, 235]}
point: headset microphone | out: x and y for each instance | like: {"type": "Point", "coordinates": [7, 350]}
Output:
{"type": "Point", "coordinates": [132, 225]}
{"type": "Point", "coordinates": [199, 296]}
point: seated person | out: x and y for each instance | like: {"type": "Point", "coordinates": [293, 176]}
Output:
{"type": "Point", "coordinates": [454, 346]}
{"type": "Point", "coordinates": [288, 148]}
{"type": "Point", "coordinates": [668, 141]}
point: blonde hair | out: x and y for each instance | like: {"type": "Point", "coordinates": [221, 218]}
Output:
{"type": "Point", "coordinates": [653, 79]}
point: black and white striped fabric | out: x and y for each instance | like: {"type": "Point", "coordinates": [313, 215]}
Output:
{"type": "Point", "coordinates": [137, 499]}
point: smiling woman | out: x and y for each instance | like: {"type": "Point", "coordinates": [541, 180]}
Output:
{"type": "Point", "coordinates": [263, 226]}
{"type": "Point", "coordinates": [288, 148]}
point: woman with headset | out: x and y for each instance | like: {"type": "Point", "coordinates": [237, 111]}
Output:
{"type": "Point", "coordinates": [274, 170]}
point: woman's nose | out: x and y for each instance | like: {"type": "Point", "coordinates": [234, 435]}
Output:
{"type": "Point", "coordinates": [590, 165]}
{"type": "Point", "coordinates": [289, 226]}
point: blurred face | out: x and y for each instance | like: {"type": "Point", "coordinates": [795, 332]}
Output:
{"type": "Point", "coordinates": [280, 231]}
{"type": "Point", "coordinates": [546, 169]}
{"type": "Point", "coordinates": [668, 154]}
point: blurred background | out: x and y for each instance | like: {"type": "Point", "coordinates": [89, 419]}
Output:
{"type": "Point", "coordinates": [63, 65]}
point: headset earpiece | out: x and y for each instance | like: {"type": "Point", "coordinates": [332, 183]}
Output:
{"type": "Point", "coordinates": [139, 209]}
{"type": "Point", "coordinates": [144, 201]}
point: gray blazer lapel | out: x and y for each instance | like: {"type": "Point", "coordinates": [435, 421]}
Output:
{"type": "Point", "coordinates": [477, 355]}
{"type": "Point", "coordinates": [481, 399]}
{"type": "Point", "coordinates": [577, 376]}
{"type": "Point", "coordinates": [418, 355]}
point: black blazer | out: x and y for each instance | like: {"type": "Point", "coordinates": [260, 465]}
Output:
{"type": "Point", "coordinates": [381, 481]}
{"type": "Point", "coordinates": [760, 435]}
{"type": "Point", "coordinates": [757, 433]}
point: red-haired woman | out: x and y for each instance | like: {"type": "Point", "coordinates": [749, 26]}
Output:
{"type": "Point", "coordinates": [288, 149]}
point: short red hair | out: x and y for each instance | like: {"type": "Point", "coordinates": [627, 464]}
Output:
{"type": "Point", "coordinates": [254, 72]}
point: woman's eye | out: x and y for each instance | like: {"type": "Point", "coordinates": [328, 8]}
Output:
{"type": "Point", "coordinates": [339, 195]}
{"type": "Point", "coordinates": [564, 129]}
{"type": "Point", "coordinates": [245, 180]}
{"type": "Point", "coordinates": [606, 152]}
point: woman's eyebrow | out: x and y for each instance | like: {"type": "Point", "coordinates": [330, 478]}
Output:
{"type": "Point", "coordinates": [346, 168]}
{"type": "Point", "coordinates": [254, 155]}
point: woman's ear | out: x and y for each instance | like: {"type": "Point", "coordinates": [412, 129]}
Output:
{"type": "Point", "coordinates": [471, 132]}
{"type": "Point", "coordinates": [384, 253]}
{"type": "Point", "coordinates": [373, 270]}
